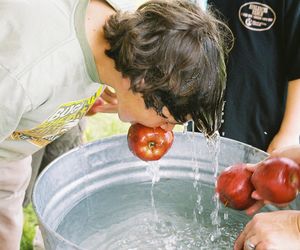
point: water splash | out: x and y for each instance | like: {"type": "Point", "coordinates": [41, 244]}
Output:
{"type": "Point", "coordinates": [132, 225]}
{"type": "Point", "coordinates": [153, 170]}
{"type": "Point", "coordinates": [213, 143]}
{"type": "Point", "coordinates": [197, 175]}
{"type": "Point", "coordinates": [201, 3]}
{"type": "Point", "coordinates": [226, 216]}
{"type": "Point", "coordinates": [185, 128]}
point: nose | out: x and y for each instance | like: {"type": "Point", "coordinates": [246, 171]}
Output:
{"type": "Point", "coordinates": [167, 126]}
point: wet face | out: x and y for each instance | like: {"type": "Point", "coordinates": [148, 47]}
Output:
{"type": "Point", "coordinates": [131, 108]}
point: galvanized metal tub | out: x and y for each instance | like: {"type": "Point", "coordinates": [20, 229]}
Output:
{"type": "Point", "coordinates": [93, 187]}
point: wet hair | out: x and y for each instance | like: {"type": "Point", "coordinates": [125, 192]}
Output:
{"type": "Point", "coordinates": [173, 53]}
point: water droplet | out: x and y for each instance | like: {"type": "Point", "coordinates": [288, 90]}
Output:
{"type": "Point", "coordinates": [185, 127]}
{"type": "Point", "coordinates": [226, 216]}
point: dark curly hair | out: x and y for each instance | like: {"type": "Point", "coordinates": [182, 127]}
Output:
{"type": "Point", "coordinates": [173, 53]}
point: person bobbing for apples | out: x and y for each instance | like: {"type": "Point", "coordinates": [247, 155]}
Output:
{"type": "Point", "coordinates": [276, 181]}
{"type": "Point", "coordinates": [164, 60]}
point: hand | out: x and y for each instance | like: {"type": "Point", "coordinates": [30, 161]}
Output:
{"type": "Point", "coordinates": [282, 140]}
{"type": "Point", "coordinates": [106, 103]}
{"type": "Point", "coordinates": [277, 230]}
{"type": "Point", "coordinates": [260, 201]}
{"type": "Point", "coordinates": [111, 101]}
{"type": "Point", "coordinates": [292, 152]}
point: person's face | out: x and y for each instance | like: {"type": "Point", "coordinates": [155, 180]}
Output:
{"type": "Point", "coordinates": [131, 108]}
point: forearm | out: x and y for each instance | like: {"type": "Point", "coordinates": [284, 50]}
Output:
{"type": "Point", "coordinates": [291, 119]}
{"type": "Point", "coordinates": [298, 223]}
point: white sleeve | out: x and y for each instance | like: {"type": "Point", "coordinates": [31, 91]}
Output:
{"type": "Point", "coordinates": [13, 103]}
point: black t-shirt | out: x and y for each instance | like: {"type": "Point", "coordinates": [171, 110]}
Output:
{"type": "Point", "coordinates": [265, 56]}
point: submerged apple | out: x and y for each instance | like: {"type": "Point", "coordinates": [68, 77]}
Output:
{"type": "Point", "coordinates": [149, 144]}
{"type": "Point", "coordinates": [277, 180]}
{"type": "Point", "coordinates": [234, 187]}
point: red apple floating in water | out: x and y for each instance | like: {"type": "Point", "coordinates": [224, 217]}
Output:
{"type": "Point", "coordinates": [149, 144]}
{"type": "Point", "coordinates": [234, 187]}
{"type": "Point", "coordinates": [93, 110]}
{"type": "Point", "coordinates": [277, 180]}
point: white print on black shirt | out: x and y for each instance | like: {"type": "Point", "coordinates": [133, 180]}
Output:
{"type": "Point", "coordinates": [257, 16]}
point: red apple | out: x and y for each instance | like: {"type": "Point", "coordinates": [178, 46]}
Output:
{"type": "Point", "coordinates": [234, 187]}
{"type": "Point", "coordinates": [277, 180]}
{"type": "Point", "coordinates": [149, 144]}
{"type": "Point", "coordinates": [93, 110]}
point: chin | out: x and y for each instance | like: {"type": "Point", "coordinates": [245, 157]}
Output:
{"type": "Point", "coordinates": [124, 118]}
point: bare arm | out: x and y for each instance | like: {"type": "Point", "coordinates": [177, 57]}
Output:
{"type": "Point", "coordinates": [290, 127]}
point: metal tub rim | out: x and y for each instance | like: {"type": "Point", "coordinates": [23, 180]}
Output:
{"type": "Point", "coordinates": [87, 146]}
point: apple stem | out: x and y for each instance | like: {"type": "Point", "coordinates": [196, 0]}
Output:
{"type": "Point", "coordinates": [151, 144]}
{"type": "Point", "coordinates": [226, 203]}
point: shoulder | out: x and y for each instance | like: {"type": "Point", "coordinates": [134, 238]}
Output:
{"type": "Point", "coordinates": [29, 29]}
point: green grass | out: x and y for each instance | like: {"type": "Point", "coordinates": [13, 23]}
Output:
{"type": "Point", "coordinates": [98, 126]}
{"type": "Point", "coordinates": [104, 125]}
{"type": "Point", "coordinates": [30, 221]}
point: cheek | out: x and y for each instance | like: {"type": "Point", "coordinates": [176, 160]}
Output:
{"type": "Point", "coordinates": [151, 119]}
{"type": "Point", "coordinates": [132, 109]}
{"type": "Point", "coordinates": [167, 126]}
{"type": "Point", "coordinates": [150, 115]}
{"type": "Point", "coordinates": [124, 114]}
{"type": "Point", "coordinates": [132, 112]}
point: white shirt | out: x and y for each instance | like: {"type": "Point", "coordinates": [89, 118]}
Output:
{"type": "Point", "coordinates": [48, 77]}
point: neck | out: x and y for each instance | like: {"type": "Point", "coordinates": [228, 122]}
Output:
{"type": "Point", "coordinates": [97, 14]}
